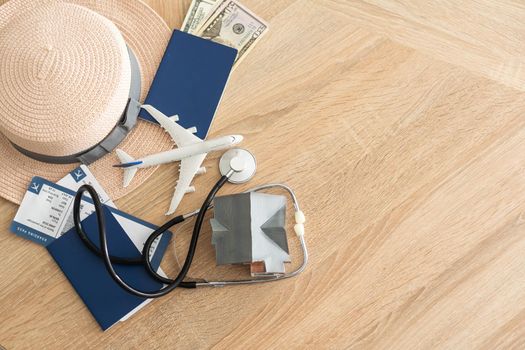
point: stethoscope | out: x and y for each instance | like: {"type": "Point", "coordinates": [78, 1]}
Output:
{"type": "Point", "coordinates": [236, 166]}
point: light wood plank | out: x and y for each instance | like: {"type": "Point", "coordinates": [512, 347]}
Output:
{"type": "Point", "coordinates": [485, 37]}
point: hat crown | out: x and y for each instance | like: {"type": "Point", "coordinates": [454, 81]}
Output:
{"type": "Point", "coordinates": [65, 74]}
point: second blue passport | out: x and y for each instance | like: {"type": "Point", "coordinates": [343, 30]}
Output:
{"type": "Point", "coordinates": [190, 80]}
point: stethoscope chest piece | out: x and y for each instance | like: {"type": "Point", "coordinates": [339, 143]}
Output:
{"type": "Point", "coordinates": [241, 161]}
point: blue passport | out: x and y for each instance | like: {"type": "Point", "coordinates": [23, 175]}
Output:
{"type": "Point", "coordinates": [190, 80]}
{"type": "Point", "coordinates": [105, 299]}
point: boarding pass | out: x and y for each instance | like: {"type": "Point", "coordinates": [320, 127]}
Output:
{"type": "Point", "coordinates": [83, 176]}
{"type": "Point", "coordinates": [46, 213]}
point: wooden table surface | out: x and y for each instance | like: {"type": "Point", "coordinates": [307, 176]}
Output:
{"type": "Point", "coordinates": [401, 125]}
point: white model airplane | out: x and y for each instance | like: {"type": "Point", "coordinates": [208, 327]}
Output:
{"type": "Point", "coordinates": [191, 152]}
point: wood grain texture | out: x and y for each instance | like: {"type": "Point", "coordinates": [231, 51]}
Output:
{"type": "Point", "coordinates": [401, 127]}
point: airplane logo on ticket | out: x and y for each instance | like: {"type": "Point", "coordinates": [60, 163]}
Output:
{"type": "Point", "coordinates": [78, 174]}
{"type": "Point", "coordinates": [35, 187]}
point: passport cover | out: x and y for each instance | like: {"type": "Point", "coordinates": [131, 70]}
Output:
{"type": "Point", "coordinates": [105, 299]}
{"type": "Point", "coordinates": [190, 81]}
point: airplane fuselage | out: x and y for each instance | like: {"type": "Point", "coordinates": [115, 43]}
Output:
{"type": "Point", "coordinates": [191, 152]}
{"type": "Point", "coordinates": [178, 154]}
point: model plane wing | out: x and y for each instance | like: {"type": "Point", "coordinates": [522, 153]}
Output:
{"type": "Point", "coordinates": [180, 135]}
{"type": "Point", "coordinates": [188, 169]}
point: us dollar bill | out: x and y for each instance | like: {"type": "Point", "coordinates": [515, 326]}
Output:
{"type": "Point", "coordinates": [232, 24]}
{"type": "Point", "coordinates": [197, 14]}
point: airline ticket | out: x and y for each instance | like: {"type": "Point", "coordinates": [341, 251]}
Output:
{"type": "Point", "coordinates": [46, 212]}
{"type": "Point", "coordinates": [83, 176]}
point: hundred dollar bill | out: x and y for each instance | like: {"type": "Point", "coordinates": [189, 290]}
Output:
{"type": "Point", "coordinates": [234, 25]}
{"type": "Point", "coordinates": [197, 13]}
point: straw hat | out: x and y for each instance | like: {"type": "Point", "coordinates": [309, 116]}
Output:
{"type": "Point", "coordinates": [67, 69]}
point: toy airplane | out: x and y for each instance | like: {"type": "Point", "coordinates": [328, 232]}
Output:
{"type": "Point", "coordinates": [191, 152]}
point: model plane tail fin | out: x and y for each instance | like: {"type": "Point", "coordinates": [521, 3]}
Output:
{"type": "Point", "coordinates": [126, 161]}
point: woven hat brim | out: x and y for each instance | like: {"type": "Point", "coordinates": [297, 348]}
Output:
{"type": "Point", "coordinates": [147, 35]}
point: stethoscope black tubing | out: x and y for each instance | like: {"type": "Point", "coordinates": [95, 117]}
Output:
{"type": "Point", "coordinates": [145, 259]}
